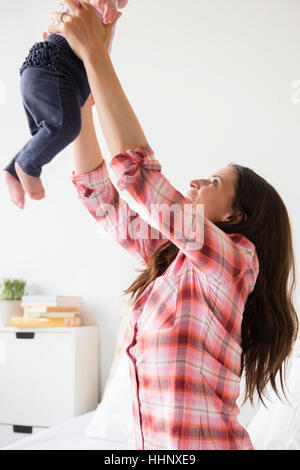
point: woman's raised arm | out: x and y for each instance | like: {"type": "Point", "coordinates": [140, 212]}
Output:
{"type": "Point", "coordinates": [101, 198]}
{"type": "Point", "coordinates": [119, 123]}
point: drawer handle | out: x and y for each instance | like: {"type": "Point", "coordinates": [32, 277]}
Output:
{"type": "Point", "coordinates": [22, 429]}
{"type": "Point", "coordinates": [25, 335]}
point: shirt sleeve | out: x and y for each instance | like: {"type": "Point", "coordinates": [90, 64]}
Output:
{"type": "Point", "coordinates": [208, 247]}
{"type": "Point", "coordinates": [102, 200]}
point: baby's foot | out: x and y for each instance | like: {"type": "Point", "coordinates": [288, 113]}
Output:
{"type": "Point", "coordinates": [17, 193]}
{"type": "Point", "coordinates": [31, 184]}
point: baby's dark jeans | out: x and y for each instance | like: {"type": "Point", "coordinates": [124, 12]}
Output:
{"type": "Point", "coordinates": [54, 87]}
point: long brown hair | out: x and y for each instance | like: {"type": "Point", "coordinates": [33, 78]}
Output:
{"type": "Point", "coordinates": [270, 322]}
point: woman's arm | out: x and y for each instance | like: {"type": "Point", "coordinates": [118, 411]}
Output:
{"type": "Point", "coordinates": [86, 150]}
{"type": "Point", "coordinates": [102, 200]}
{"type": "Point", "coordinates": [100, 197]}
{"type": "Point", "coordinates": [119, 123]}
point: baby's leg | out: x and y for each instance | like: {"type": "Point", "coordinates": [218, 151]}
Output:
{"type": "Point", "coordinates": [53, 103]}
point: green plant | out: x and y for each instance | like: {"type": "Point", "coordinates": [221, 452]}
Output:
{"type": "Point", "coordinates": [12, 289]}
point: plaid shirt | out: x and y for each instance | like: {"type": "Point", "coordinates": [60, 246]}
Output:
{"type": "Point", "coordinates": [183, 340]}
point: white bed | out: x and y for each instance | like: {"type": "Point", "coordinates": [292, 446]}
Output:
{"type": "Point", "coordinates": [110, 426]}
{"type": "Point", "coordinates": [69, 435]}
{"type": "Point", "coordinates": [277, 428]}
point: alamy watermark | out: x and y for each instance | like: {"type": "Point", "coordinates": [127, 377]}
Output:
{"type": "Point", "coordinates": [184, 223]}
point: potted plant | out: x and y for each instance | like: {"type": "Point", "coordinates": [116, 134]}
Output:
{"type": "Point", "coordinates": [12, 291]}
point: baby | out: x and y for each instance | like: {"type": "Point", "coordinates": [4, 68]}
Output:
{"type": "Point", "coordinates": [54, 87]}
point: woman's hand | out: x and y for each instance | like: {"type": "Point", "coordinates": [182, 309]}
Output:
{"type": "Point", "coordinates": [86, 35]}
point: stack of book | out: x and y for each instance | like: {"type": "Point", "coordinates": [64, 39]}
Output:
{"type": "Point", "coordinates": [48, 311]}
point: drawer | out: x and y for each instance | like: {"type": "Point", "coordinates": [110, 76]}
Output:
{"type": "Point", "coordinates": [37, 378]}
{"type": "Point", "coordinates": [10, 434]}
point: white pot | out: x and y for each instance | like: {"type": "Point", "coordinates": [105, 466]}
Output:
{"type": "Point", "coordinates": [8, 309]}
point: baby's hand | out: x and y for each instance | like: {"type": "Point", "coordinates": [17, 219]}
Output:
{"type": "Point", "coordinates": [107, 8]}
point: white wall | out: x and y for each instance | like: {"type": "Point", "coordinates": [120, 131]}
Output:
{"type": "Point", "coordinates": [211, 82]}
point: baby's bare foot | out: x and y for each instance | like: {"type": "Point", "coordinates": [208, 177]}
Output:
{"type": "Point", "coordinates": [31, 184]}
{"type": "Point", "coordinates": [15, 189]}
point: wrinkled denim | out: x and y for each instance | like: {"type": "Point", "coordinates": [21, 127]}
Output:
{"type": "Point", "coordinates": [54, 87]}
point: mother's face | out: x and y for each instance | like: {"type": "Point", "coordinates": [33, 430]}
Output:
{"type": "Point", "coordinates": [217, 193]}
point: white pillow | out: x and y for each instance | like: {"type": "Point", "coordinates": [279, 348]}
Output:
{"type": "Point", "coordinates": [278, 427]}
{"type": "Point", "coordinates": [113, 418]}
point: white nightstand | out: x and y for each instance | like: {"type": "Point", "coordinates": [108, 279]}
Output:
{"type": "Point", "coordinates": [47, 375]}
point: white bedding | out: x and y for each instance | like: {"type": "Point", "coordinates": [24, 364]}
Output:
{"type": "Point", "coordinates": [110, 427]}
{"type": "Point", "coordinates": [69, 435]}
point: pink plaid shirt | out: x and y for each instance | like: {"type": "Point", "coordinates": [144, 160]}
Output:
{"type": "Point", "coordinates": [183, 340]}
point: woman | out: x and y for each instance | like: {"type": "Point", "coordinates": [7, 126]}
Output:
{"type": "Point", "coordinates": [201, 313]}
